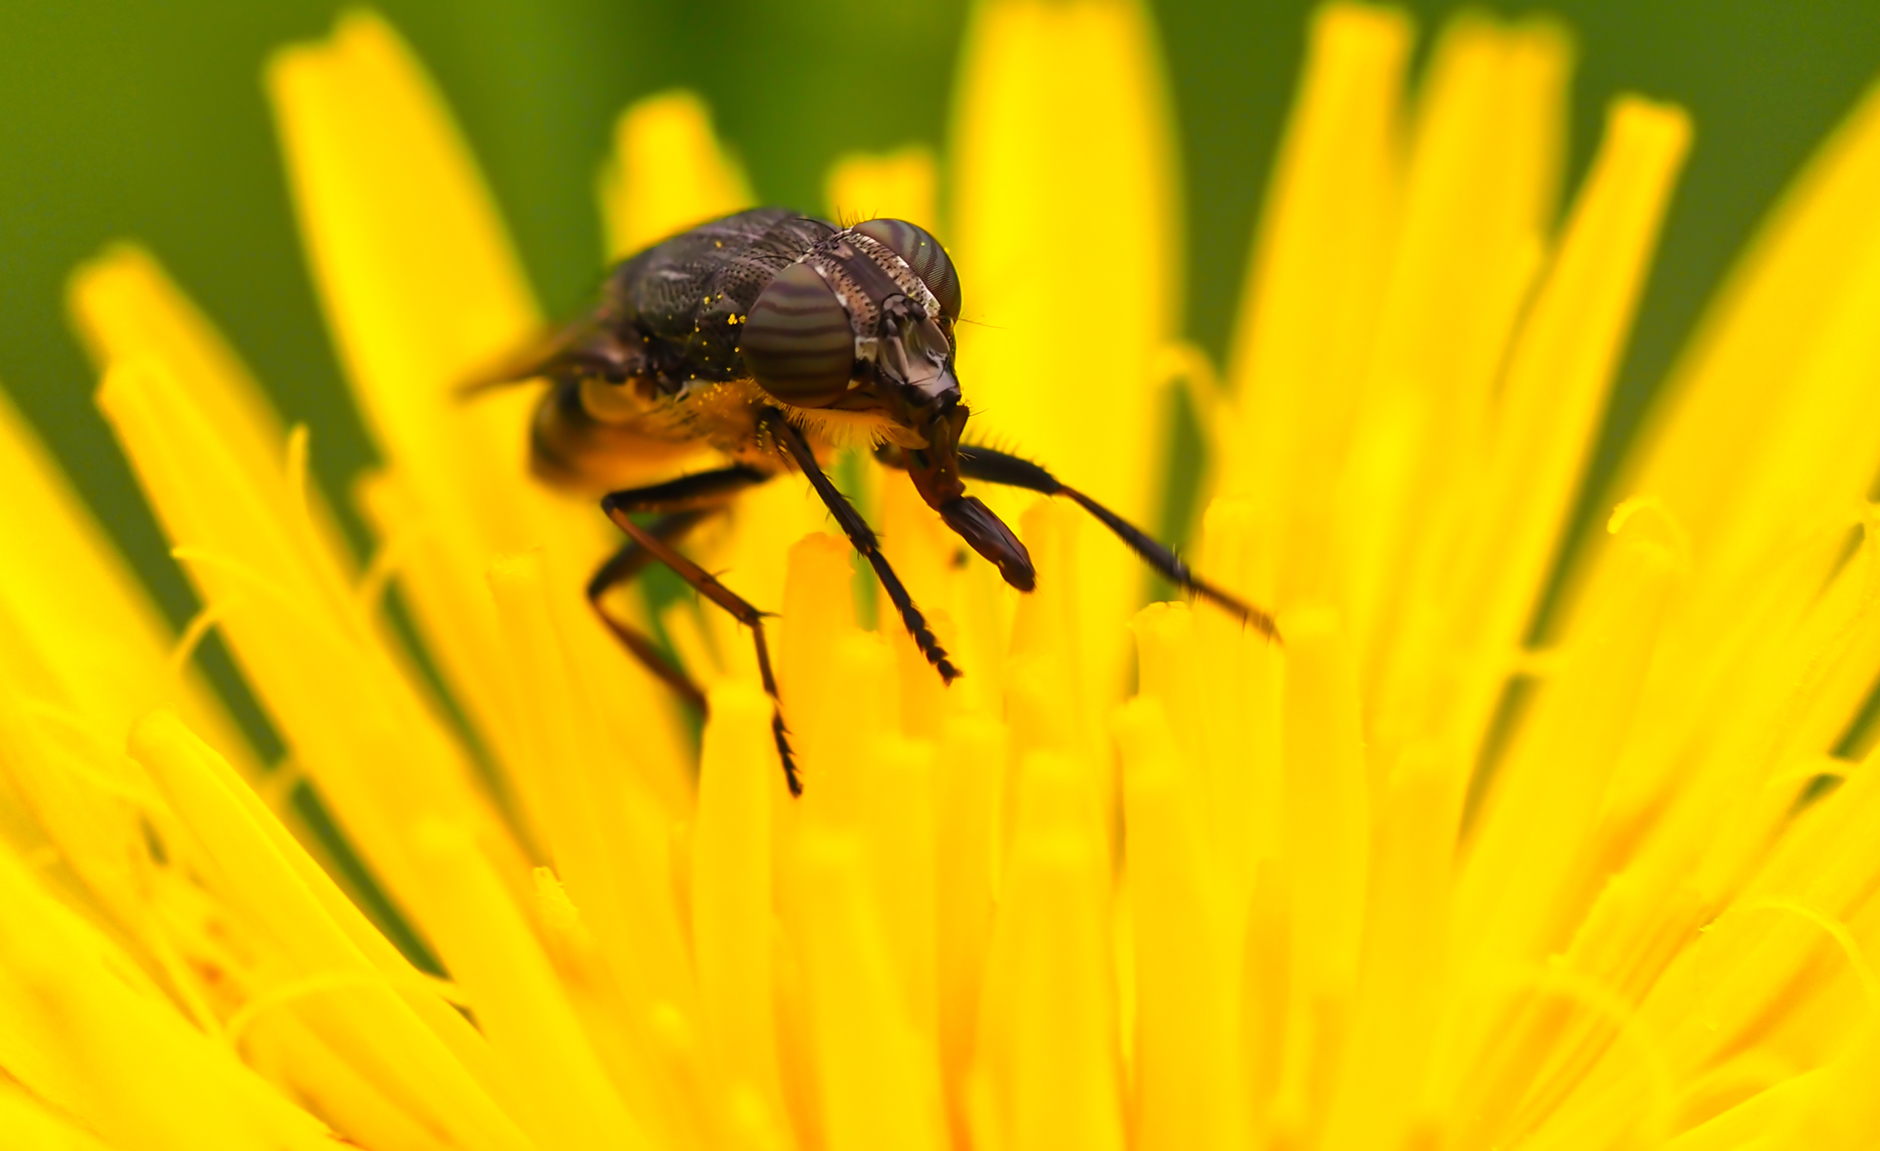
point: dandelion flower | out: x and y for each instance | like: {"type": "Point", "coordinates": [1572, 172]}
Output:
{"type": "Point", "coordinates": [1418, 880]}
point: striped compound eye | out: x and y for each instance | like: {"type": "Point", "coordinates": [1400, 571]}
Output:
{"type": "Point", "coordinates": [924, 254]}
{"type": "Point", "coordinates": [797, 341]}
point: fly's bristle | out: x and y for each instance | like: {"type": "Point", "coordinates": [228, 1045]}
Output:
{"type": "Point", "coordinates": [792, 776]}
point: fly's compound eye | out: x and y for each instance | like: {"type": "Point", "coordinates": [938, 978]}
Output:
{"type": "Point", "coordinates": [924, 255]}
{"type": "Point", "coordinates": [797, 341]}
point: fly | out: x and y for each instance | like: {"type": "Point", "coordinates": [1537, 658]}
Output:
{"type": "Point", "coordinates": [768, 336]}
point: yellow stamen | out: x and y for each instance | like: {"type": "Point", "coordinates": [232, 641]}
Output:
{"type": "Point", "coordinates": [123, 1062]}
{"type": "Point", "coordinates": [519, 1003]}
{"type": "Point", "coordinates": [382, 1018]}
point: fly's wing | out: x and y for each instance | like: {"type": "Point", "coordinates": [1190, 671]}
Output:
{"type": "Point", "coordinates": [587, 348]}
{"type": "Point", "coordinates": [664, 312]}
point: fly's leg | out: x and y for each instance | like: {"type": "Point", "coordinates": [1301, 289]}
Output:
{"type": "Point", "coordinates": [708, 586]}
{"type": "Point", "coordinates": [622, 566]}
{"type": "Point", "coordinates": [1015, 471]}
{"type": "Point", "coordinates": [863, 537]}
{"type": "Point", "coordinates": [689, 498]}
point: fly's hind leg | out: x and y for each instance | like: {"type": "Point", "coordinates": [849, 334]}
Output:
{"type": "Point", "coordinates": [622, 566]}
{"type": "Point", "coordinates": [691, 497]}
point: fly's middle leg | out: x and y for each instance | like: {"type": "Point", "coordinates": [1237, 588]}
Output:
{"type": "Point", "coordinates": [698, 495]}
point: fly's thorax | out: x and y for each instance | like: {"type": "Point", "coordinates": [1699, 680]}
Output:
{"type": "Point", "coordinates": [865, 274]}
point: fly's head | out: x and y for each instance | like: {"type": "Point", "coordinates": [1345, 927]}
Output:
{"type": "Point", "coordinates": [863, 324]}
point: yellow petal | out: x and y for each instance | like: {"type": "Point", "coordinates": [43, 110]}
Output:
{"type": "Point", "coordinates": [1401, 992]}
{"type": "Point", "coordinates": [1240, 684]}
{"type": "Point", "coordinates": [878, 1068]}
{"type": "Point", "coordinates": [1561, 364]}
{"type": "Point", "coordinates": [1316, 280]}
{"type": "Point", "coordinates": [30, 1126]}
{"type": "Point", "coordinates": [967, 818]}
{"type": "Point", "coordinates": [1758, 442]}
{"type": "Point", "coordinates": [1047, 704]}
{"type": "Point", "coordinates": [581, 795]}
{"type": "Point", "coordinates": [1048, 1046]}
{"type": "Point", "coordinates": [75, 605]}
{"type": "Point", "coordinates": [1523, 883]}
{"type": "Point", "coordinates": [732, 904]}
{"type": "Point", "coordinates": [1566, 354]}
{"type": "Point", "coordinates": [339, 696]}
{"type": "Point", "coordinates": [817, 616]}
{"type": "Point", "coordinates": [423, 294]}
{"type": "Point", "coordinates": [124, 305]}
{"type": "Point", "coordinates": [968, 604]}
{"type": "Point", "coordinates": [1189, 1071]}
{"type": "Point", "coordinates": [755, 546]}
{"type": "Point", "coordinates": [1546, 793]}
{"type": "Point", "coordinates": [1485, 151]}
{"type": "Point", "coordinates": [124, 1063]}
{"type": "Point", "coordinates": [380, 1016]}
{"type": "Point", "coordinates": [81, 650]}
{"type": "Point", "coordinates": [1063, 131]}
{"type": "Point", "coordinates": [330, 1085]}
{"type": "Point", "coordinates": [417, 277]}
{"type": "Point", "coordinates": [668, 173]}
{"type": "Point", "coordinates": [1760, 426]}
{"type": "Point", "coordinates": [899, 185]}
{"type": "Point", "coordinates": [897, 835]}
{"type": "Point", "coordinates": [518, 1001]}
{"type": "Point", "coordinates": [1326, 850]}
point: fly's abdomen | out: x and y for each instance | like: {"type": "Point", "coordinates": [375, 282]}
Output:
{"type": "Point", "coordinates": [592, 436]}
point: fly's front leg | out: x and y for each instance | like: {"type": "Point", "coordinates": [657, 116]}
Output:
{"type": "Point", "coordinates": [863, 537]}
{"type": "Point", "coordinates": [1017, 472]}
{"type": "Point", "coordinates": [689, 499]}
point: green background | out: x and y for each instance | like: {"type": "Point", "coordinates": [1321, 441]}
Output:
{"type": "Point", "coordinates": [123, 118]}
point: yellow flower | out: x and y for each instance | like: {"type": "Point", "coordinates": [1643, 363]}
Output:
{"type": "Point", "coordinates": [1416, 881]}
